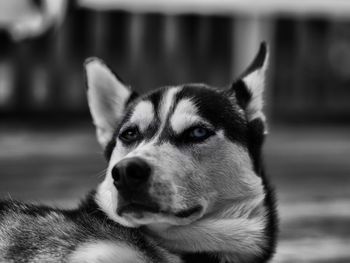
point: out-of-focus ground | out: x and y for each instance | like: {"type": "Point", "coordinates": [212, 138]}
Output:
{"type": "Point", "coordinates": [310, 168]}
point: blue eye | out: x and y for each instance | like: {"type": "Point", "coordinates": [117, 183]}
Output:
{"type": "Point", "coordinates": [198, 134]}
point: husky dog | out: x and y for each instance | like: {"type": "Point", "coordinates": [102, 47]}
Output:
{"type": "Point", "coordinates": [184, 182]}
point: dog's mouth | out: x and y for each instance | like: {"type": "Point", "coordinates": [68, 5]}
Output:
{"type": "Point", "coordinates": [189, 212]}
{"type": "Point", "coordinates": [139, 211]}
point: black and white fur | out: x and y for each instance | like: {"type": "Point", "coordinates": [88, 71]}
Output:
{"type": "Point", "coordinates": [30, 233]}
{"type": "Point", "coordinates": [205, 197]}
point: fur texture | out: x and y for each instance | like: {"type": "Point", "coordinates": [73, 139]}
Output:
{"type": "Point", "coordinates": [207, 197]}
{"type": "Point", "coordinates": [31, 233]}
{"type": "Point", "coordinates": [185, 180]}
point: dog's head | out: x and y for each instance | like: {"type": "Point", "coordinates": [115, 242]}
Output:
{"type": "Point", "coordinates": [179, 153]}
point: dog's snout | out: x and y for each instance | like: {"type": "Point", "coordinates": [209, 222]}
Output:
{"type": "Point", "coordinates": [131, 173]}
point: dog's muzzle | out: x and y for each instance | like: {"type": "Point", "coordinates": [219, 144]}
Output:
{"type": "Point", "coordinates": [132, 178]}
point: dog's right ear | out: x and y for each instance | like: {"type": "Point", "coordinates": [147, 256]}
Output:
{"type": "Point", "coordinates": [107, 98]}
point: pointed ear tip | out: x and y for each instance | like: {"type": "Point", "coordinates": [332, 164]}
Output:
{"type": "Point", "coordinates": [90, 66]}
{"type": "Point", "coordinates": [264, 49]}
{"type": "Point", "coordinates": [263, 44]}
{"type": "Point", "coordinates": [90, 61]}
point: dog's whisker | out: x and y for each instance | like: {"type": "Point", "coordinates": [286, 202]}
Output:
{"type": "Point", "coordinates": [102, 173]}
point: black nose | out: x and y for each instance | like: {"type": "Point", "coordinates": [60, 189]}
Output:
{"type": "Point", "coordinates": [131, 173]}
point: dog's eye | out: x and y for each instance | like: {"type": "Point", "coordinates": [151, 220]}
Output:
{"type": "Point", "coordinates": [130, 135]}
{"type": "Point", "coordinates": [198, 134]}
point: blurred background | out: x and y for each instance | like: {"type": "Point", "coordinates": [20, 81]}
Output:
{"type": "Point", "coordinates": [48, 151]}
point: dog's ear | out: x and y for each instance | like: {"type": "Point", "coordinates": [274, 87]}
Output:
{"type": "Point", "coordinates": [107, 98]}
{"type": "Point", "coordinates": [247, 91]}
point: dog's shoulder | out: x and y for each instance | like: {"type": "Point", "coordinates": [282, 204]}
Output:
{"type": "Point", "coordinates": [12, 212]}
{"type": "Point", "coordinates": [39, 233]}
{"type": "Point", "coordinates": [12, 206]}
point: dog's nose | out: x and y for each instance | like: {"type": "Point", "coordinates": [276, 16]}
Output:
{"type": "Point", "coordinates": [131, 173]}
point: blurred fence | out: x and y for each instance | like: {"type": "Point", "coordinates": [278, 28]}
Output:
{"type": "Point", "coordinates": [310, 78]}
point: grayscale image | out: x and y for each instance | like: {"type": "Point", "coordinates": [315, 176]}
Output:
{"type": "Point", "coordinates": [187, 131]}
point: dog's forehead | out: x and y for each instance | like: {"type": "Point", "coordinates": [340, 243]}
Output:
{"type": "Point", "coordinates": [174, 105]}
{"type": "Point", "coordinates": [154, 108]}
{"type": "Point", "coordinates": [179, 107]}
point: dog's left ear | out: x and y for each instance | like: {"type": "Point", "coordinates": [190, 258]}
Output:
{"type": "Point", "coordinates": [107, 97]}
{"type": "Point", "coordinates": [247, 91]}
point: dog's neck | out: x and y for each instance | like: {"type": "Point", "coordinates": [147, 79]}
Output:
{"type": "Point", "coordinates": [237, 234]}
{"type": "Point", "coordinates": [241, 233]}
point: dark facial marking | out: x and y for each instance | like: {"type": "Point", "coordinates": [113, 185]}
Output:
{"type": "Point", "coordinates": [187, 137]}
{"type": "Point", "coordinates": [255, 141]}
{"type": "Point", "coordinates": [217, 109]}
{"type": "Point", "coordinates": [154, 97]}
